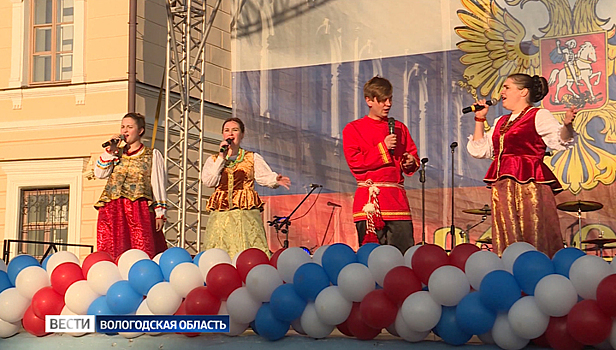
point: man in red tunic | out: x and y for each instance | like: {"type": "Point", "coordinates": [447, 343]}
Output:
{"type": "Point", "coordinates": [378, 159]}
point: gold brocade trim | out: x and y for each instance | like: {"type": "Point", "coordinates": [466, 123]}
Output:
{"type": "Point", "coordinates": [532, 179]}
{"type": "Point", "coordinates": [383, 151]}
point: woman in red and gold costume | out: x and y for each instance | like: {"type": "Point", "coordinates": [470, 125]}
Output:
{"type": "Point", "coordinates": [235, 222]}
{"type": "Point", "coordinates": [523, 187]}
{"type": "Point", "coordinates": [132, 207]}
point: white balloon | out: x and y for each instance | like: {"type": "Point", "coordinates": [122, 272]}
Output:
{"type": "Point", "coordinates": [211, 258]}
{"type": "Point", "coordinates": [102, 275]}
{"type": "Point", "coordinates": [486, 338]}
{"type": "Point", "coordinates": [613, 266]}
{"type": "Point", "coordinates": [12, 305]}
{"type": "Point", "coordinates": [421, 313]}
{"type": "Point", "coordinates": [30, 280]}
{"type": "Point", "coordinates": [67, 312]}
{"type": "Point", "coordinates": [408, 255]}
{"type": "Point", "coordinates": [479, 264]}
{"type": "Point", "coordinates": [289, 260]}
{"type": "Point", "coordinates": [156, 259]}
{"type": "Point", "coordinates": [163, 300]}
{"type": "Point", "coordinates": [144, 310]}
{"type": "Point", "coordinates": [318, 254]}
{"type": "Point", "coordinates": [2, 265]}
{"type": "Point", "coordinates": [448, 285]}
{"type": "Point", "coordinates": [355, 281]}
{"type": "Point", "coordinates": [8, 329]}
{"type": "Point", "coordinates": [262, 280]}
{"type": "Point", "coordinates": [297, 325]}
{"type": "Point", "coordinates": [512, 252]}
{"type": "Point", "coordinates": [235, 328]}
{"type": "Point", "coordinates": [312, 325]}
{"type": "Point", "coordinates": [382, 259]}
{"type": "Point", "coordinates": [526, 319]}
{"type": "Point", "coordinates": [185, 277]}
{"type": "Point", "coordinates": [405, 332]}
{"type": "Point", "coordinates": [392, 328]}
{"type": "Point", "coordinates": [586, 273]}
{"type": "Point", "coordinates": [332, 308]}
{"type": "Point", "coordinates": [60, 258]}
{"type": "Point", "coordinates": [555, 295]}
{"type": "Point", "coordinates": [79, 296]}
{"type": "Point", "coordinates": [503, 334]}
{"type": "Point", "coordinates": [242, 307]}
{"type": "Point", "coordinates": [128, 259]}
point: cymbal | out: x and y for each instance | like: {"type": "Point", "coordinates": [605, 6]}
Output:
{"type": "Point", "coordinates": [599, 241]}
{"type": "Point", "coordinates": [486, 240]}
{"type": "Point", "coordinates": [483, 211]}
{"type": "Point", "coordinates": [584, 206]}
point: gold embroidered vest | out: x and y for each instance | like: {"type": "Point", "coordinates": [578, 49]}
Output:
{"type": "Point", "coordinates": [131, 178]}
{"type": "Point", "coordinates": [236, 186]}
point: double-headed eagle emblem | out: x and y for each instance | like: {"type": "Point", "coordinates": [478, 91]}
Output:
{"type": "Point", "coordinates": [576, 53]}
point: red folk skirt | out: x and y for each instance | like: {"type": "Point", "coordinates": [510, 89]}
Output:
{"type": "Point", "coordinates": [124, 224]}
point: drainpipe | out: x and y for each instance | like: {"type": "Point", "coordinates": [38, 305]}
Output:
{"type": "Point", "coordinates": [132, 55]}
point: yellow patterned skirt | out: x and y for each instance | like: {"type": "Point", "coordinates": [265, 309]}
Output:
{"type": "Point", "coordinates": [235, 231]}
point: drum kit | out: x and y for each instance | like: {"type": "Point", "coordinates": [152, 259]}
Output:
{"type": "Point", "coordinates": [578, 207]}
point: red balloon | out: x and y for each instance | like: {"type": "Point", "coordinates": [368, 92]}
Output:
{"type": "Point", "coordinates": [460, 254]}
{"type": "Point", "coordinates": [358, 328]}
{"type": "Point", "coordinates": [47, 302]}
{"type": "Point", "coordinates": [377, 310]}
{"type": "Point", "coordinates": [558, 337]}
{"type": "Point", "coordinates": [200, 301]}
{"type": "Point", "coordinates": [222, 280]}
{"type": "Point", "coordinates": [399, 283]}
{"type": "Point", "coordinates": [93, 259]}
{"type": "Point", "coordinates": [542, 341]}
{"type": "Point", "coordinates": [248, 259]}
{"type": "Point", "coordinates": [33, 324]}
{"type": "Point", "coordinates": [180, 312]}
{"type": "Point", "coordinates": [64, 275]}
{"type": "Point", "coordinates": [274, 258]}
{"type": "Point", "coordinates": [428, 258]}
{"type": "Point", "coordinates": [606, 295]}
{"type": "Point", "coordinates": [344, 329]}
{"type": "Point", "coordinates": [587, 323]}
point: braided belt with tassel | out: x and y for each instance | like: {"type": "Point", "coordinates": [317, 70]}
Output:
{"type": "Point", "coordinates": [374, 218]}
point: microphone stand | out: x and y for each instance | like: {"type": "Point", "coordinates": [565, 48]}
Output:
{"type": "Point", "coordinates": [452, 230]}
{"type": "Point", "coordinates": [422, 179]}
{"type": "Point", "coordinates": [331, 216]}
{"type": "Point", "coordinates": [282, 223]}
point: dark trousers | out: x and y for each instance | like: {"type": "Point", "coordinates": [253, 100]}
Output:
{"type": "Point", "coordinates": [398, 233]}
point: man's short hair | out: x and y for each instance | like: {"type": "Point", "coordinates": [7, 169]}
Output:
{"type": "Point", "coordinates": [378, 87]}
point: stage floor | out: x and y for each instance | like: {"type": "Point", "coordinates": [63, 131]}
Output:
{"type": "Point", "coordinates": [248, 340]}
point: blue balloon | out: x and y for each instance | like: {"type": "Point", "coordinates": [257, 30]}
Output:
{"type": "Point", "coordinates": [253, 326]}
{"type": "Point", "coordinates": [564, 258]}
{"type": "Point", "coordinates": [99, 307]}
{"type": "Point", "coordinates": [269, 326]}
{"type": "Point", "coordinates": [171, 258]}
{"type": "Point", "coordinates": [364, 252]}
{"type": "Point", "coordinates": [122, 299]}
{"type": "Point", "coordinates": [19, 263]}
{"type": "Point", "coordinates": [143, 275]}
{"type": "Point", "coordinates": [448, 329]}
{"type": "Point", "coordinates": [44, 263]}
{"type": "Point", "coordinates": [197, 257]}
{"type": "Point", "coordinates": [309, 280]}
{"type": "Point", "coordinates": [499, 290]}
{"type": "Point", "coordinates": [335, 258]}
{"type": "Point", "coordinates": [529, 268]}
{"type": "Point", "coordinates": [472, 316]}
{"type": "Point", "coordinates": [5, 283]}
{"type": "Point", "coordinates": [286, 304]}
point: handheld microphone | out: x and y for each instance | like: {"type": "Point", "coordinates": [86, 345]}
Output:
{"type": "Point", "coordinates": [392, 130]}
{"type": "Point", "coordinates": [424, 160]}
{"type": "Point", "coordinates": [334, 205]}
{"type": "Point", "coordinates": [475, 108]}
{"type": "Point", "coordinates": [114, 141]}
{"type": "Point", "coordinates": [453, 145]}
{"type": "Point", "coordinates": [224, 148]}
{"type": "Point", "coordinates": [315, 185]}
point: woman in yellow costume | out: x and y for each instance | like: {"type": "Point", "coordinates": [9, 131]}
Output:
{"type": "Point", "coordinates": [235, 222]}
